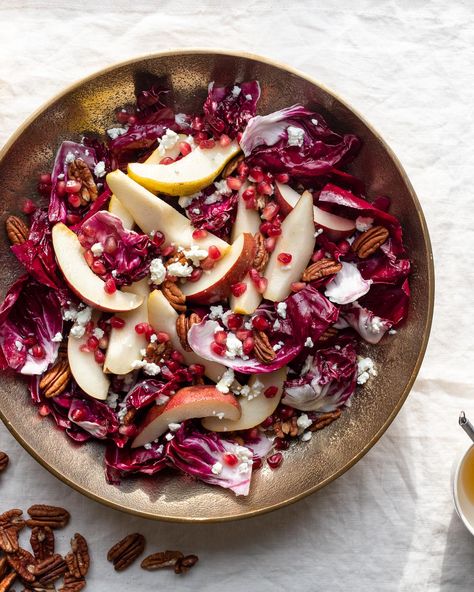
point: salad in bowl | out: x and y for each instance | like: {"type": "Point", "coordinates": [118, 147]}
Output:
{"type": "Point", "coordinates": [198, 285]}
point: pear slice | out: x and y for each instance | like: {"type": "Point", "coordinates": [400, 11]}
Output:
{"type": "Point", "coordinates": [245, 221]}
{"type": "Point", "coordinates": [156, 156]}
{"type": "Point", "coordinates": [82, 280]}
{"type": "Point", "coordinates": [125, 343]}
{"type": "Point", "coordinates": [253, 411]}
{"type": "Point", "coordinates": [298, 240]}
{"type": "Point", "coordinates": [117, 209]}
{"type": "Point", "coordinates": [186, 176]}
{"type": "Point", "coordinates": [152, 213]}
{"type": "Point", "coordinates": [85, 370]}
{"type": "Point", "coordinates": [162, 317]}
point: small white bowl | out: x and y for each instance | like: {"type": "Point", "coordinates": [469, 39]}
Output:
{"type": "Point", "coordinates": [464, 506]}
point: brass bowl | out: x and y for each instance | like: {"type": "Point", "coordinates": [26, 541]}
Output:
{"type": "Point", "coordinates": [88, 106]}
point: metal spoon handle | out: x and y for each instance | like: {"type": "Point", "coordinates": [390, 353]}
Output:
{"type": "Point", "coordinates": [466, 425]}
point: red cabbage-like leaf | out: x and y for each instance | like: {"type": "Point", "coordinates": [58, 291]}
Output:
{"type": "Point", "coordinates": [217, 217]}
{"type": "Point", "coordinates": [370, 326]}
{"type": "Point", "coordinates": [388, 302]}
{"type": "Point", "coordinates": [384, 267]}
{"type": "Point", "coordinates": [30, 310]}
{"type": "Point", "coordinates": [94, 417]}
{"type": "Point", "coordinates": [148, 391]}
{"type": "Point", "coordinates": [124, 462]}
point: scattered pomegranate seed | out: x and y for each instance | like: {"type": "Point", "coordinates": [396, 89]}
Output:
{"type": "Point", "coordinates": [270, 210]}
{"type": "Point", "coordinates": [224, 140]}
{"type": "Point", "coordinates": [117, 322]}
{"type": "Point", "coordinates": [207, 264]}
{"type": "Point", "coordinates": [141, 328]}
{"type": "Point", "coordinates": [89, 327]}
{"type": "Point", "coordinates": [110, 245]}
{"type": "Point", "coordinates": [30, 341]}
{"type": "Point", "coordinates": [297, 286]}
{"type": "Point", "coordinates": [270, 244]}
{"type": "Point", "coordinates": [281, 444]}
{"type": "Point", "coordinates": [282, 177]}
{"type": "Point", "coordinates": [275, 460]}
{"type": "Point", "coordinates": [196, 369]}
{"type": "Point", "coordinates": [84, 348]}
{"type": "Point", "coordinates": [234, 322]}
{"type": "Point", "coordinates": [265, 227]}
{"type": "Point", "coordinates": [248, 345]}
{"type": "Point", "coordinates": [162, 337]}
{"type": "Point", "coordinates": [132, 120]}
{"type": "Point", "coordinates": [220, 337]}
{"type": "Point", "coordinates": [45, 178]}
{"type": "Point", "coordinates": [233, 183]}
{"type": "Point", "coordinates": [28, 207]}
{"type": "Point", "coordinates": [61, 188]}
{"type": "Point", "coordinates": [207, 144]}
{"type": "Point", "coordinates": [343, 246]}
{"type": "Point", "coordinates": [37, 351]}
{"type": "Point", "coordinates": [177, 356]}
{"type": "Point", "coordinates": [248, 194]}
{"type": "Point", "coordinates": [262, 285]}
{"type": "Point", "coordinates": [264, 188]}
{"type": "Point", "coordinates": [274, 230]}
{"type": "Point", "coordinates": [238, 289]}
{"type": "Point", "coordinates": [260, 323]}
{"type": "Point", "coordinates": [267, 422]}
{"type": "Point", "coordinates": [286, 412]}
{"type": "Point", "coordinates": [251, 204]}
{"type": "Point", "coordinates": [230, 459]}
{"type": "Point", "coordinates": [89, 257]}
{"type": "Point", "coordinates": [197, 123]}
{"type": "Point", "coordinates": [73, 186]}
{"type": "Point", "coordinates": [74, 200]}
{"type": "Point", "coordinates": [270, 392]}
{"type": "Point", "coordinates": [200, 137]}
{"type": "Point", "coordinates": [242, 334]}
{"type": "Point", "coordinates": [130, 431]}
{"type": "Point", "coordinates": [214, 252]}
{"type": "Point", "coordinates": [243, 170]}
{"type": "Point", "coordinates": [284, 258]}
{"type": "Point", "coordinates": [256, 464]}
{"type": "Point", "coordinates": [195, 274]}
{"type": "Point", "coordinates": [43, 410]}
{"type": "Point", "coordinates": [99, 356]}
{"type": "Point", "coordinates": [185, 148]}
{"type": "Point", "coordinates": [199, 233]}
{"type": "Point", "coordinates": [218, 349]}
{"type": "Point", "coordinates": [317, 255]}
{"type": "Point", "coordinates": [167, 251]}
{"type": "Point", "coordinates": [110, 286]}
{"type": "Point", "coordinates": [92, 343]}
{"type": "Point", "coordinates": [158, 238]}
{"type": "Point", "coordinates": [166, 160]}
{"type": "Point", "coordinates": [122, 116]}
{"type": "Point", "coordinates": [253, 434]}
{"type": "Point", "coordinates": [98, 267]}
{"type": "Point", "coordinates": [256, 174]}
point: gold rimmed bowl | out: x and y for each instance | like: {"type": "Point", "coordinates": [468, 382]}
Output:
{"type": "Point", "coordinates": [88, 106]}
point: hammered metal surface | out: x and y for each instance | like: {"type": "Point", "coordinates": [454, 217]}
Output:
{"type": "Point", "coordinates": [89, 106]}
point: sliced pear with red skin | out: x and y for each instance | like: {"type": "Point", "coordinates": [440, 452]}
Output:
{"type": "Point", "coordinates": [152, 213]}
{"type": "Point", "coordinates": [119, 211]}
{"type": "Point", "coordinates": [186, 176]}
{"type": "Point", "coordinates": [246, 220]}
{"type": "Point", "coordinates": [253, 411]}
{"type": "Point", "coordinates": [214, 286]}
{"type": "Point", "coordinates": [88, 374]}
{"type": "Point", "coordinates": [297, 239]}
{"type": "Point", "coordinates": [336, 227]}
{"type": "Point", "coordinates": [188, 403]}
{"type": "Point", "coordinates": [82, 280]}
{"type": "Point", "coordinates": [125, 343]}
{"type": "Point", "coordinates": [162, 317]}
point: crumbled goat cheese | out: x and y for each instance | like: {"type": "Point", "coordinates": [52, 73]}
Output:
{"type": "Point", "coordinates": [180, 269]}
{"type": "Point", "coordinates": [161, 399]}
{"type": "Point", "coordinates": [122, 413]}
{"type": "Point", "coordinates": [174, 427]}
{"type": "Point", "coordinates": [295, 136]}
{"type": "Point", "coordinates": [234, 347]}
{"type": "Point", "coordinates": [375, 325]}
{"type": "Point", "coordinates": [61, 176]}
{"type": "Point", "coordinates": [98, 332]}
{"type": "Point", "coordinates": [309, 342]}
{"type": "Point", "coordinates": [216, 312]}
{"type": "Point", "coordinates": [167, 141]}
{"type": "Point", "coordinates": [278, 346]}
{"type": "Point", "coordinates": [148, 446]}
{"type": "Point", "coordinates": [248, 97]}
{"type": "Point", "coordinates": [365, 369]}
{"type": "Point", "coordinates": [112, 400]}
{"type": "Point", "coordinates": [169, 437]}
{"type": "Point", "coordinates": [97, 249]}
{"type": "Point", "coordinates": [185, 202]}
{"type": "Point", "coordinates": [225, 381]}
{"type": "Point", "coordinates": [245, 457]}
{"type": "Point", "coordinates": [77, 331]}
{"type": "Point", "coordinates": [217, 468]}
{"type": "Point", "coordinates": [222, 187]}
{"type": "Point", "coordinates": [236, 91]}
{"type": "Point", "coordinates": [157, 271]}
{"type": "Point", "coordinates": [84, 315]}
{"type": "Point", "coordinates": [114, 273]}
{"type": "Point", "coordinates": [219, 415]}
{"type": "Point", "coordinates": [314, 121]}
{"type": "Point", "coordinates": [81, 318]}
{"type": "Point", "coordinates": [303, 422]}
{"type": "Point", "coordinates": [115, 132]}
{"type": "Point", "coordinates": [306, 437]}
{"type": "Point", "coordinates": [392, 332]}
{"type": "Point", "coordinates": [255, 390]}
{"type": "Point", "coordinates": [363, 223]}
{"type": "Point", "coordinates": [151, 369]}
{"type": "Point", "coordinates": [70, 314]}
{"type": "Point", "coordinates": [19, 345]}
{"type": "Point", "coordinates": [195, 253]}
{"type": "Point", "coordinates": [318, 232]}
{"type": "Point", "coordinates": [281, 310]}
{"type": "Point", "coordinates": [70, 158]}
{"type": "Point", "coordinates": [153, 338]}
{"type": "Point", "coordinates": [57, 338]}
{"type": "Point", "coordinates": [276, 325]}
{"type": "Point", "coordinates": [99, 169]}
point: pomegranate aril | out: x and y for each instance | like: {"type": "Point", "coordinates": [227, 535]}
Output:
{"type": "Point", "coordinates": [177, 356]}
{"type": "Point", "coordinates": [238, 289]}
{"type": "Point", "coordinates": [89, 327]}
{"type": "Point", "coordinates": [262, 285]}
{"type": "Point", "coordinates": [243, 170]}
{"type": "Point", "coordinates": [281, 444]}
{"type": "Point", "coordinates": [317, 255]}
{"type": "Point", "coordinates": [270, 211]}
{"type": "Point", "coordinates": [218, 349]}
{"type": "Point", "coordinates": [43, 410]}
{"type": "Point", "coordinates": [132, 120]}
{"type": "Point", "coordinates": [99, 356]}
{"type": "Point", "coordinates": [286, 412]}
{"type": "Point", "coordinates": [166, 160]}
{"type": "Point", "coordinates": [28, 207]}
{"type": "Point", "coordinates": [254, 275]}
{"type": "Point", "coordinates": [167, 251]}
{"type": "Point", "coordinates": [207, 144]}
{"type": "Point", "coordinates": [220, 337]}
{"type": "Point", "coordinates": [214, 252]}
{"type": "Point", "coordinates": [92, 343]}
{"type": "Point", "coordinates": [264, 188]}
{"type": "Point", "coordinates": [224, 140]}
{"type": "Point", "coordinates": [89, 257]}
{"type": "Point", "coordinates": [197, 123]}
{"type": "Point", "coordinates": [233, 183]}
{"type": "Point", "coordinates": [158, 238]}
{"type": "Point", "coordinates": [38, 352]}
{"type": "Point", "coordinates": [248, 345]}
{"type": "Point", "coordinates": [45, 178]}
{"type": "Point", "coordinates": [130, 430]}
{"type": "Point", "coordinates": [185, 148]}
{"type": "Point", "coordinates": [84, 348]}
{"type": "Point", "coordinates": [141, 328]}
{"type": "Point", "coordinates": [207, 264]}
{"type": "Point", "coordinates": [297, 286]}
{"type": "Point", "coordinates": [200, 137]}
{"type": "Point", "coordinates": [274, 230]}
{"type": "Point", "coordinates": [275, 460]}
{"type": "Point", "coordinates": [98, 267]}
{"type": "Point", "coordinates": [110, 245]}
{"type": "Point", "coordinates": [122, 116]}
{"type": "Point", "coordinates": [72, 219]}
{"type": "Point", "coordinates": [88, 230]}
{"type": "Point", "coordinates": [248, 194]}
{"type": "Point", "coordinates": [256, 174]}
{"type": "Point", "coordinates": [230, 459]}
{"type": "Point", "coordinates": [195, 275]}
{"type": "Point", "coordinates": [30, 341]}
{"type": "Point", "coordinates": [78, 415]}
{"type": "Point", "coordinates": [239, 137]}
{"type": "Point", "coordinates": [196, 369]}
{"type": "Point", "coordinates": [110, 287]}
{"type": "Point", "coordinates": [162, 337]}
{"type": "Point", "coordinates": [270, 392]}
{"type": "Point", "coordinates": [270, 244]}
{"type": "Point", "coordinates": [242, 334]}
{"type": "Point", "coordinates": [284, 258]}
{"type": "Point", "coordinates": [256, 464]}
{"type": "Point", "coordinates": [266, 423]}
{"type": "Point", "coordinates": [260, 323]}
{"type": "Point", "coordinates": [199, 233]}
{"type": "Point", "coordinates": [265, 227]}
{"type": "Point", "coordinates": [253, 434]}
{"type": "Point", "coordinates": [117, 322]}
{"type": "Point", "coordinates": [61, 188]}
{"type": "Point", "coordinates": [343, 247]}
{"type": "Point", "coordinates": [73, 186]}
{"type": "Point", "coordinates": [234, 322]}
{"type": "Point", "coordinates": [282, 177]}
{"type": "Point", "coordinates": [74, 200]}
{"type": "Point", "coordinates": [251, 204]}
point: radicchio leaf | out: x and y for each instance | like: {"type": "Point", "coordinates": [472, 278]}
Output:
{"type": "Point", "coordinates": [214, 211]}
{"type": "Point", "coordinates": [94, 417]}
{"type": "Point", "coordinates": [124, 462]}
{"type": "Point", "coordinates": [148, 391]}
{"type": "Point", "coordinates": [347, 285]}
{"type": "Point", "coordinates": [384, 267]}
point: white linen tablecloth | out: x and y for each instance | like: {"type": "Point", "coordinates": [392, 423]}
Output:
{"type": "Point", "coordinates": [388, 524]}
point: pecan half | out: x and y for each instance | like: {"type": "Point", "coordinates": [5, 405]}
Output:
{"type": "Point", "coordinates": [278, 430]}
{"type": "Point", "coordinates": [174, 295]}
{"type": "Point", "coordinates": [3, 461]}
{"type": "Point", "coordinates": [328, 334]}
{"type": "Point", "coordinates": [79, 171]}
{"type": "Point", "coordinates": [7, 581]}
{"type": "Point", "coordinates": [155, 352]}
{"type": "Point", "coordinates": [231, 166]}
{"type": "Point", "coordinates": [55, 380]}
{"type": "Point", "coordinates": [261, 254]}
{"type": "Point", "coordinates": [183, 324]}
{"type": "Point", "coordinates": [369, 241]}
{"type": "Point", "coordinates": [42, 542]}
{"type": "Point", "coordinates": [324, 420]}
{"type": "Point", "coordinates": [177, 257]}
{"type": "Point", "coordinates": [78, 559]}
{"type": "Point", "coordinates": [320, 269]}
{"type": "Point", "coordinates": [52, 516]}
{"type": "Point", "coordinates": [23, 562]}
{"type": "Point", "coordinates": [124, 553]}
{"type": "Point", "coordinates": [129, 416]}
{"type": "Point", "coordinates": [17, 230]}
{"type": "Point", "coordinates": [186, 563]}
{"type": "Point", "coordinates": [262, 347]}
{"type": "Point", "coordinates": [50, 569]}
{"type": "Point", "coordinates": [290, 427]}
{"type": "Point", "coordinates": [72, 584]}
{"type": "Point", "coordinates": [161, 559]}
{"type": "Point", "coordinates": [11, 523]}
{"type": "Point", "coordinates": [3, 566]}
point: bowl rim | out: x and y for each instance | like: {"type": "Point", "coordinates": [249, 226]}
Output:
{"type": "Point", "coordinates": [430, 280]}
{"type": "Point", "coordinates": [455, 474]}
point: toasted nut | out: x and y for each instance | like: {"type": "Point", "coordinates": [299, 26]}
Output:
{"type": "Point", "coordinates": [72, 584]}
{"type": "Point", "coordinates": [232, 166]}
{"type": "Point", "coordinates": [369, 241]}
{"type": "Point", "coordinates": [3, 461]}
{"type": "Point", "coordinates": [321, 269]}
{"type": "Point", "coordinates": [7, 581]}
{"type": "Point", "coordinates": [328, 334]}
{"type": "Point", "coordinates": [183, 324]}
{"type": "Point", "coordinates": [78, 559]}
{"type": "Point", "coordinates": [79, 171]}
{"type": "Point", "coordinates": [261, 254]}
{"type": "Point", "coordinates": [52, 516]}
{"type": "Point", "coordinates": [186, 563]}
{"type": "Point", "coordinates": [262, 347]}
{"type": "Point", "coordinates": [161, 560]}
{"type": "Point", "coordinates": [324, 420]}
{"type": "Point", "coordinates": [50, 569]}
{"type": "Point", "coordinates": [17, 230]}
{"type": "Point", "coordinates": [23, 563]}
{"type": "Point", "coordinates": [55, 380]}
{"type": "Point", "coordinates": [124, 553]}
{"type": "Point", "coordinates": [42, 542]}
{"type": "Point", "coordinates": [11, 523]}
{"type": "Point", "coordinates": [174, 295]}
{"type": "Point", "coordinates": [290, 427]}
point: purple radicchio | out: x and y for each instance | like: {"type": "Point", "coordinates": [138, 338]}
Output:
{"type": "Point", "coordinates": [228, 108]}
{"type": "Point", "coordinates": [296, 141]}
{"type": "Point", "coordinates": [30, 316]}
{"type": "Point", "coordinates": [125, 252]}
{"type": "Point", "coordinates": [94, 417]}
{"type": "Point", "coordinates": [347, 285]}
{"type": "Point", "coordinates": [124, 462]}
{"type": "Point", "coordinates": [202, 456]}
{"type": "Point", "coordinates": [149, 391]}
{"type": "Point", "coordinates": [328, 381]}
{"type": "Point", "coordinates": [384, 267]}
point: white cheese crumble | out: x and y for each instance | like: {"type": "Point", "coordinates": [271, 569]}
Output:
{"type": "Point", "coordinates": [314, 121]}
{"type": "Point", "coordinates": [216, 312]}
{"type": "Point", "coordinates": [97, 249]}
{"type": "Point", "coordinates": [248, 97]}
{"type": "Point", "coordinates": [363, 223]}
{"type": "Point", "coordinates": [276, 325]}
{"type": "Point", "coordinates": [161, 399]}
{"type": "Point", "coordinates": [99, 169]}
{"type": "Point", "coordinates": [195, 253]}
{"type": "Point", "coordinates": [365, 369]}
{"type": "Point", "coordinates": [112, 400]}
{"type": "Point", "coordinates": [245, 457]}
{"type": "Point", "coordinates": [234, 347]}
{"type": "Point", "coordinates": [80, 318]}
{"type": "Point", "coordinates": [303, 422]}
{"type": "Point", "coordinates": [236, 91]}
{"type": "Point", "coordinates": [148, 446]}
{"type": "Point", "coordinates": [169, 437]}
{"type": "Point", "coordinates": [153, 338]}
{"type": "Point", "coordinates": [226, 381]}
{"type": "Point", "coordinates": [70, 158]}
{"type": "Point", "coordinates": [157, 271]}
{"type": "Point", "coordinates": [98, 333]}
{"type": "Point", "coordinates": [167, 141]}
{"type": "Point", "coordinates": [278, 346]}
{"type": "Point", "coordinates": [180, 269]}
{"type": "Point", "coordinates": [57, 338]}
{"type": "Point", "coordinates": [174, 427]}
{"type": "Point", "coordinates": [295, 136]}
{"type": "Point", "coordinates": [115, 132]}
{"type": "Point", "coordinates": [19, 345]}
{"type": "Point", "coordinates": [217, 468]}
{"type": "Point", "coordinates": [114, 273]}
{"type": "Point", "coordinates": [148, 367]}
{"type": "Point", "coordinates": [309, 342]}
{"type": "Point", "coordinates": [318, 232]}
{"type": "Point", "coordinates": [306, 437]}
{"type": "Point", "coordinates": [281, 310]}
{"type": "Point", "coordinates": [392, 332]}
{"type": "Point", "coordinates": [61, 176]}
